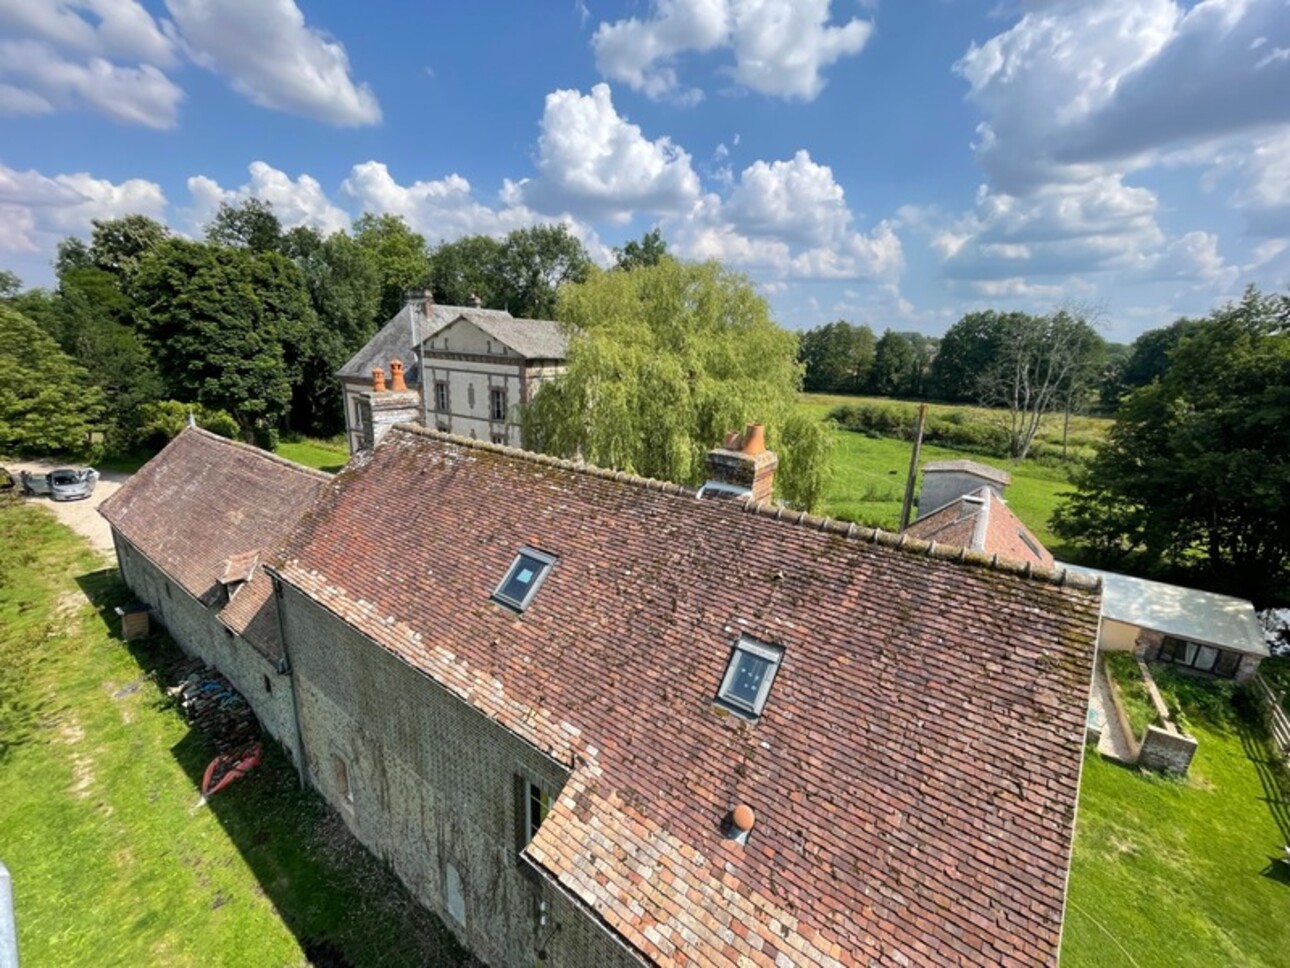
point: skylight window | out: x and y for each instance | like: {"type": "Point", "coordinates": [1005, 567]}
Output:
{"type": "Point", "coordinates": [749, 675]}
{"type": "Point", "coordinates": [524, 578]}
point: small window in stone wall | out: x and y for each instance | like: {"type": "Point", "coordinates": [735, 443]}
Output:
{"type": "Point", "coordinates": [453, 894]}
{"type": "Point", "coordinates": [340, 769]}
{"type": "Point", "coordinates": [497, 404]}
{"type": "Point", "coordinates": [441, 396]}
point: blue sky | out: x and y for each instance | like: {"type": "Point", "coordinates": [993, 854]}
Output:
{"type": "Point", "coordinates": [890, 163]}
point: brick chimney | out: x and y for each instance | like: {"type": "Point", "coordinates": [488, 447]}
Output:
{"type": "Point", "coordinates": [396, 377]}
{"type": "Point", "coordinates": [742, 466]}
{"type": "Point", "coordinates": [421, 300]}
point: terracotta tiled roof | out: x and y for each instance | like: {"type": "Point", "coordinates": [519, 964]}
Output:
{"type": "Point", "coordinates": [915, 770]}
{"type": "Point", "coordinates": [204, 502]}
{"type": "Point", "coordinates": [982, 521]}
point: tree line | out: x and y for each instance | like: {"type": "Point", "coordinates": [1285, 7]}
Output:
{"type": "Point", "coordinates": [253, 320]}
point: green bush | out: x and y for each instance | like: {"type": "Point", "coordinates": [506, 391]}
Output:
{"type": "Point", "coordinates": [958, 429]}
{"type": "Point", "coordinates": [1127, 678]}
{"type": "Point", "coordinates": [160, 422]}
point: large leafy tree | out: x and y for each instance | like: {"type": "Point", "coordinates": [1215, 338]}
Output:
{"type": "Point", "coordinates": [1042, 365]}
{"type": "Point", "coordinates": [216, 320]}
{"type": "Point", "coordinates": [48, 404]}
{"type": "Point", "coordinates": [344, 291]}
{"type": "Point", "coordinates": [397, 254]}
{"type": "Point", "coordinates": [251, 225]}
{"type": "Point", "coordinates": [118, 245]}
{"type": "Point", "coordinates": [838, 357]}
{"type": "Point", "coordinates": [666, 359]}
{"type": "Point", "coordinates": [967, 351]}
{"type": "Point", "coordinates": [535, 263]}
{"type": "Point", "coordinates": [1196, 470]}
{"type": "Point", "coordinates": [649, 250]}
{"type": "Point", "coordinates": [469, 267]}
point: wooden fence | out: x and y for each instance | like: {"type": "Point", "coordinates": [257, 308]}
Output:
{"type": "Point", "coordinates": [1278, 721]}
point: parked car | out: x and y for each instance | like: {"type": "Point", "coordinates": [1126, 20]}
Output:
{"type": "Point", "coordinates": [72, 485]}
{"type": "Point", "coordinates": [34, 484]}
{"type": "Point", "coordinates": [64, 484]}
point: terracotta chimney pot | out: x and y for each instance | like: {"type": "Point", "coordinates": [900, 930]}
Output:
{"type": "Point", "coordinates": [732, 441]}
{"type": "Point", "coordinates": [754, 439]}
{"type": "Point", "coordinates": [378, 380]}
{"type": "Point", "coordinates": [743, 817]}
{"type": "Point", "coordinates": [396, 377]}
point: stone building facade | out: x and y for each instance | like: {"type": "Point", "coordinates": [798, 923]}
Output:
{"type": "Point", "coordinates": [543, 692]}
{"type": "Point", "coordinates": [469, 368]}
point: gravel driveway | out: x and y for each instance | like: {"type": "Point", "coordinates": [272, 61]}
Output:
{"type": "Point", "coordinates": [81, 516]}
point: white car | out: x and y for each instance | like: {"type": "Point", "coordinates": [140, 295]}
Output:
{"type": "Point", "coordinates": [72, 485]}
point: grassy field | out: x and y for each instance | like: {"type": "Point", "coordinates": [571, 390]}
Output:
{"type": "Point", "coordinates": [325, 455]}
{"type": "Point", "coordinates": [869, 474]}
{"type": "Point", "coordinates": [1182, 873]}
{"type": "Point", "coordinates": [113, 861]}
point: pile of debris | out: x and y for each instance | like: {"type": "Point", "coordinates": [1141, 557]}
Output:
{"type": "Point", "coordinates": [214, 707]}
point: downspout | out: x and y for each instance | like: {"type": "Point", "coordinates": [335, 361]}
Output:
{"type": "Point", "coordinates": [288, 669]}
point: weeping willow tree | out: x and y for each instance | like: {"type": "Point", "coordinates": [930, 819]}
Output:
{"type": "Point", "coordinates": [663, 361]}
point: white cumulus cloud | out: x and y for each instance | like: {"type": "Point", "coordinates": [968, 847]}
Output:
{"type": "Point", "coordinates": [268, 53]}
{"type": "Point", "coordinates": [780, 47]}
{"type": "Point", "coordinates": [36, 210]}
{"type": "Point", "coordinates": [300, 201]}
{"type": "Point", "coordinates": [593, 162]}
{"type": "Point", "coordinates": [790, 219]}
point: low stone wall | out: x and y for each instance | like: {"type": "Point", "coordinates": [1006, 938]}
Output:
{"type": "Point", "coordinates": [1167, 750]}
{"type": "Point", "coordinates": [1118, 711]}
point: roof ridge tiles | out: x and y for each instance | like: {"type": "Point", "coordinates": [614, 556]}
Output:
{"type": "Point", "coordinates": [1062, 576]}
{"type": "Point", "coordinates": [259, 452]}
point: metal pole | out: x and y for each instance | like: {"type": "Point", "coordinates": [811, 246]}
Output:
{"type": "Point", "coordinates": [8, 929]}
{"type": "Point", "coordinates": [913, 468]}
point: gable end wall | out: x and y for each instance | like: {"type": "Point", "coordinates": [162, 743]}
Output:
{"type": "Point", "coordinates": [432, 782]}
{"type": "Point", "coordinates": [198, 631]}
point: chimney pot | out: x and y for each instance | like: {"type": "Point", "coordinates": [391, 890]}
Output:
{"type": "Point", "coordinates": [474, 301]}
{"type": "Point", "coordinates": [743, 817]}
{"type": "Point", "coordinates": [378, 380]}
{"type": "Point", "coordinates": [396, 377]}
{"type": "Point", "coordinates": [732, 441]}
{"type": "Point", "coordinates": [754, 441]}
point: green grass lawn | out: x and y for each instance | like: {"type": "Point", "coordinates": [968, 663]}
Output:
{"type": "Point", "coordinates": [1127, 677]}
{"type": "Point", "coordinates": [113, 861]}
{"type": "Point", "coordinates": [868, 484]}
{"type": "Point", "coordinates": [1178, 873]}
{"type": "Point", "coordinates": [325, 455]}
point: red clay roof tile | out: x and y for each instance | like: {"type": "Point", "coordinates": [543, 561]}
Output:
{"type": "Point", "coordinates": [915, 770]}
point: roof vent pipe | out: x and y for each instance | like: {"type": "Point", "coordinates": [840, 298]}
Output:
{"type": "Point", "coordinates": [739, 823]}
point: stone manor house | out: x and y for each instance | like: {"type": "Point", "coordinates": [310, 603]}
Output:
{"type": "Point", "coordinates": [465, 370]}
{"type": "Point", "coordinates": [607, 720]}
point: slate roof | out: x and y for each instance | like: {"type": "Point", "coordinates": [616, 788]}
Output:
{"type": "Point", "coordinates": [204, 506]}
{"type": "Point", "coordinates": [970, 467]}
{"type": "Point", "coordinates": [533, 339]}
{"type": "Point", "coordinates": [982, 521]}
{"type": "Point", "coordinates": [399, 338]}
{"type": "Point", "coordinates": [915, 771]}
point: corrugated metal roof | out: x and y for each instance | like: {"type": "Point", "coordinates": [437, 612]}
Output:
{"type": "Point", "coordinates": [1187, 613]}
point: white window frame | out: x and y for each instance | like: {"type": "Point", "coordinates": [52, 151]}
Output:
{"type": "Point", "coordinates": [546, 561]}
{"type": "Point", "coordinates": [774, 654]}
{"type": "Point", "coordinates": [446, 401]}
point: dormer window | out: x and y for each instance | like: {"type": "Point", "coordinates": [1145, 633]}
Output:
{"type": "Point", "coordinates": [523, 579]}
{"type": "Point", "coordinates": [749, 675]}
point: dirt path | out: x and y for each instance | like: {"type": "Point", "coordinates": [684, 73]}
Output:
{"type": "Point", "coordinates": [81, 516]}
